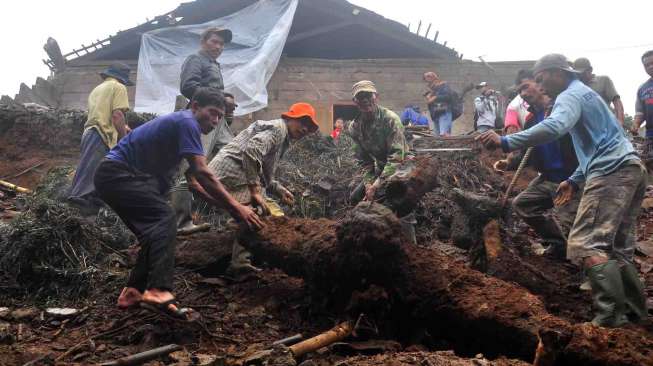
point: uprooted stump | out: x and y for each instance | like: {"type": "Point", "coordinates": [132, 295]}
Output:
{"type": "Point", "coordinates": [472, 311]}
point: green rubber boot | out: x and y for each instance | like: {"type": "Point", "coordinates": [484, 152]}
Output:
{"type": "Point", "coordinates": [634, 290]}
{"type": "Point", "coordinates": [608, 294]}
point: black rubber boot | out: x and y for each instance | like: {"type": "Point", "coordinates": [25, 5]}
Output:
{"type": "Point", "coordinates": [635, 301]}
{"type": "Point", "coordinates": [607, 294]}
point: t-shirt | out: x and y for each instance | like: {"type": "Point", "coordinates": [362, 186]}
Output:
{"type": "Point", "coordinates": [644, 105]}
{"type": "Point", "coordinates": [103, 100]}
{"type": "Point", "coordinates": [409, 115]}
{"type": "Point", "coordinates": [158, 146]}
{"type": "Point", "coordinates": [605, 88]}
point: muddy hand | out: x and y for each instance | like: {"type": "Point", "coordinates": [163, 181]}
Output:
{"type": "Point", "coordinates": [250, 217]}
{"type": "Point", "coordinates": [489, 139]}
{"type": "Point", "coordinates": [287, 197]}
{"type": "Point", "coordinates": [563, 194]}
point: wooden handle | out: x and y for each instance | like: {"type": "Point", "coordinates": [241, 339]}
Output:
{"type": "Point", "coordinates": [335, 334]}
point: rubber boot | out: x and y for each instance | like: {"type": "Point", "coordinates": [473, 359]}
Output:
{"type": "Point", "coordinates": [181, 202]}
{"type": "Point", "coordinates": [607, 294]}
{"type": "Point", "coordinates": [636, 309]}
{"type": "Point", "coordinates": [240, 261]}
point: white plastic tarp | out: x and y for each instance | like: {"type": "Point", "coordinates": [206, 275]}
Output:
{"type": "Point", "coordinates": [248, 62]}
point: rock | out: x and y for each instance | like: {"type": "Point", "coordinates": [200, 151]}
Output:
{"type": "Point", "coordinates": [25, 314]}
{"type": "Point", "coordinates": [61, 313]}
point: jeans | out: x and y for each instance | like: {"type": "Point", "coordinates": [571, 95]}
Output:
{"type": "Point", "coordinates": [445, 123]}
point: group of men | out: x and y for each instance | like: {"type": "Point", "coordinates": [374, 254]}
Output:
{"type": "Point", "coordinates": [589, 171]}
{"type": "Point", "coordinates": [150, 175]}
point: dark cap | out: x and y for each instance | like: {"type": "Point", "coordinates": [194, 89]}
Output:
{"type": "Point", "coordinates": [223, 32]}
{"type": "Point", "coordinates": [582, 64]}
{"type": "Point", "coordinates": [119, 71]}
{"type": "Point", "coordinates": [552, 61]}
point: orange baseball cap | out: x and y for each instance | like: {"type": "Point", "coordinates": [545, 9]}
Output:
{"type": "Point", "coordinates": [301, 110]}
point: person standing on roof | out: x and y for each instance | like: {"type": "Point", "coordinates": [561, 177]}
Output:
{"type": "Point", "coordinates": [602, 238]}
{"type": "Point", "coordinates": [105, 126]}
{"type": "Point", "coordinates": [201, 70]}
{"type": "Point", "coordinates": [601, 84]}
{"type": "Point", "coordinates": [439, 99]}
{"type": "Point", "coordinates": [247, 165]}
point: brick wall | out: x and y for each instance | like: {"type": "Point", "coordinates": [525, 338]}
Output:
{"type": "Point", "coordinates": [324, 83]}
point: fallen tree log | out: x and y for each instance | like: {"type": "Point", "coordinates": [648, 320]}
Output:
{"type": "Point", "coordinates": [474, 312]}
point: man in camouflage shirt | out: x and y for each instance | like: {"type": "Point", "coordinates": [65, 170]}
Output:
{"type": "Point", "coordinates": [379, 144]}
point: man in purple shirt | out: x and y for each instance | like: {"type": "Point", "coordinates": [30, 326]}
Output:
{"type": "Point", "coordinates": [134, 179]}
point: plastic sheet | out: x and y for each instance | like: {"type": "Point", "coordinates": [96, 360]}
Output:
{"type": "Point", "coordinates": [248, 62]}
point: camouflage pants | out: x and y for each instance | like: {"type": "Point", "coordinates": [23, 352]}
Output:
{"type": "Point", "coordinates": [606, 221]}
{"type": "Point", "coordinates": [532, 205]}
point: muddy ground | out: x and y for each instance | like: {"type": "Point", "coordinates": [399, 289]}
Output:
{"type": "Point", "coordinates": [245, 315]}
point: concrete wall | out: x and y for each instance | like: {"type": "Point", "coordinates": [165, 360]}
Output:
{"type": "Point", "coordinates": [325, 83]}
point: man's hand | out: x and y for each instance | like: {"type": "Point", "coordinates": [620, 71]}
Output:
{"type": "Point", "coordinates": [248, 216]}
{"type": "Point", "coordinates": [501, 165]}
{"type": "Point", "coordinates": [370, 190]}
{"type": "Point", "coordinates": [286, 196]}
{"type": "Point", "coordinates": [259, 201]}
{"type": "Point", "coordinates": [489, 139]}
{"type": "Point", "coordinates": [564, 193]}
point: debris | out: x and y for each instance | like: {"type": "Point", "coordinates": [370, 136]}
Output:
{"type": "Point", "coordinates": [62, 313]}
{"type": "Point", "coordinates": [335, 334]}
{"type": "Point", "coordinates": [14, 187]}
{"type": "Point", "coordinates": [24, 314]}
{"type": "Point", "coordinates": [143, 357]}
{"type": "Point", "coordinates": [289, 340]}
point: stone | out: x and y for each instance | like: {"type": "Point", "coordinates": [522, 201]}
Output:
{"type": "Point", "coordinates": [61, 313]}
{"type": "Point", "coordinates": [25, 314]}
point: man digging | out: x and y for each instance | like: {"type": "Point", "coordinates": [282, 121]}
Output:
{"type": "Point", "coordinates": [133, 180]}
{"type": "Point", "coordinates": [246, 167]}
{"type": "Point", "coordinates": [602, 238]}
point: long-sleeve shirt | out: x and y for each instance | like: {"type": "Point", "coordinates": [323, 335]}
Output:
{"type": "Point", "coordinates": [599, 140]}
{"type": "Point", "coordinates": [379, 144]}
{"type": "Point", "coordinates": [200, 70]}
{"type": "Point", "coordinates": [252, 158]}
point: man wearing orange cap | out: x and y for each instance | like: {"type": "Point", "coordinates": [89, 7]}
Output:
{"type": "Point", "coordinates": [247, 164]}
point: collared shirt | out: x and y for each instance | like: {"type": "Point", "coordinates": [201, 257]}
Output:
{"type": "Point", "coordinates": [158, 146]}
{"type": "Point", "coordinates": [252, 158]}
{"type": "Point", "coordinates": [379, 144]}
{"type": "Point", "coordinates": [200, 70]}
{"type": "Point", "coordinates": [103, 100]}
{"type": "Point", "coordinates": [644, 105]}
{"type": "Point", "coordinates": [599, 141]}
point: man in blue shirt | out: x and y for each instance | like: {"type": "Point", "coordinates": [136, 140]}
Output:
{"type": "Point", "coordinates": [555, 162]}
{"type": "Point", "coordinates": [134, 179]}
{"type": "Point", "coordinates": [602, 238]}
{"type": "Point", "coordinates": [644, 109]}
{"type": "Point", "coordinates": [412, 116]}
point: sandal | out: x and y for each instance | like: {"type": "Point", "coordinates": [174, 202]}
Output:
{"type": "Point", "coordinates": [185, 314]}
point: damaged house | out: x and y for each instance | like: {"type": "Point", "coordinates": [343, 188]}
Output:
{"type": "Point", "coordinates": [331, 44]}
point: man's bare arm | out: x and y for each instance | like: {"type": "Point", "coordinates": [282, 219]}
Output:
{"type": "Point", "coordinates": [120, 123]}
{"type": "Point", "coordinates": [205, 183]}
{"type": "Point", "coordinates": [619, 110]}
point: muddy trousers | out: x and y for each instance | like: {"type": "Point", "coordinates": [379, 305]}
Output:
{"type": "Point", "coordinates": [136, 198]}
{"type": "Point", "coordinates": [606, 221]}
{"type": "Point", "coordinates": [532, 205]}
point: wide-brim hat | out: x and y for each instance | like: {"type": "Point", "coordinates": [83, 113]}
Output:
{"type": "Point", "coordinates": [119, 71]}
{"type": "Point", "coordinates": [302, 110]}
{"type": "Point", "coordinates": [553, 61]}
